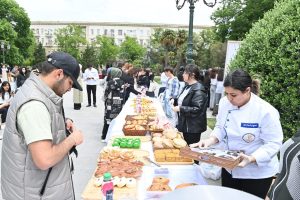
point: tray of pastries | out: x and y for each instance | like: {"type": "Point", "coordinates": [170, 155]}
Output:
{"type": "Point", "coordinates": [168, 139]}
{"type": "Point", "coordinates": [134, 130]}
{"type": "Point", "coordinates": [171, 157]}
{"type": "Point", "coordinates": [136, 117]}
{"type": "Point", "coordinates": [224, 158]}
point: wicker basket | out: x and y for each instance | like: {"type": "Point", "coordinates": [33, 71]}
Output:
{"type": "Point", "coordinates": [131, 117]}
{"type": "Point", "coordinates": [224, 162]}
{"type": "Point", "coordinates": [129, 132]}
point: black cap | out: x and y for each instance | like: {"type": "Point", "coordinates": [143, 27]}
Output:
{"type": "Point", "coordinates": [68, 64]}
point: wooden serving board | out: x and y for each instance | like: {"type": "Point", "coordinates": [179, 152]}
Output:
{"type": "Point", "coordinates": [140, 153]}
{"type": "Point", "coordinates": [228, 162]}
{"type": "Point", "coordinates": [92, 192]}
{"type": "Point", "coordinates": [176, 163]}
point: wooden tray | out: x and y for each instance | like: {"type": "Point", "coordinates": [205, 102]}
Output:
{"type": "Point", "coordinates": [224, 162]}
{"type": "Point", "coordinates": [190, 162]}
{"type": "Point", "coordinates": [140, 154]}
{"type": "Point", "coordinates": [135, 132]}
{"type": "Point", "coordinates": [92, 192]}
{"type": "Point", "coordinates": [175, 163]}
{"type": "Point", "coordinates": [131, 117]}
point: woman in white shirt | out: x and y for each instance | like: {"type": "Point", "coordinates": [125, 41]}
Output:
{"type": "Point", "coordinates": [248, 123]}
{"type": "Point", "coordinates": [5, 97]}
{"type": "Point", "coordinates": [219, 86]}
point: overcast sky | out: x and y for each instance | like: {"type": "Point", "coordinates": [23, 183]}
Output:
{"type": "Point", "coordinates": [139, 11]}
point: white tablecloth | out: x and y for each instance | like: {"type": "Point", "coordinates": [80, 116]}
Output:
{"type": "Point", "coordinates": [208, 192]}
{"type": "Point", "coordinates": [177, 173]}
{"type": "Point", "coordinates": [116, 125]}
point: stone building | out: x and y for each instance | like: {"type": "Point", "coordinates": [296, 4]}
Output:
{"type": "Point", "coordinates": [44, 31]}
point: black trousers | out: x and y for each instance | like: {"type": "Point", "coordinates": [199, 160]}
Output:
{"type": "Point", "coordinates": [3, 112]}
{"type": "Point", "coordinates": [257, 187]}
{"type": "Point", "coordinates": [191, 138]}
{"type": "Point", "coordinates": [104, 130]}
{"type": "Point", "coordinates": [91, 89]}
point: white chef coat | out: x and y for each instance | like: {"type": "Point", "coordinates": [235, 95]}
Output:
{"type": "Point", "coordinates": [91, 73]}
{"type": "Point", "coordinates": [254, 128]}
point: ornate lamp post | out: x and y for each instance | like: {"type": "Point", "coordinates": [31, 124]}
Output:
{"type": "Point", "coordinates": [4, 46]}
{"type": "Point", "coordinates": [147, 59]}
{"type": "Point", "coordinates": [148, 56]}
{"type": "Point", "coordinates": [189, 53]}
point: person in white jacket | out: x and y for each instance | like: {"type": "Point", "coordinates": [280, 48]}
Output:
{"type": "Point", "coordinates": [91, 79]}
{"type": "Point", "coordinates": [248, 123]}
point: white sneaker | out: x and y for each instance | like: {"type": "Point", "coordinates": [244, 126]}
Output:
{"type": "Point", "coordinates": [103, 141]}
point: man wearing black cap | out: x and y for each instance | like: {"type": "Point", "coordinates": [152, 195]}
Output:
{"type": "Point", "coordinates": [35, 152]}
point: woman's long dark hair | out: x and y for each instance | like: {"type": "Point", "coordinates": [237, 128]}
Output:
{"type": "Point", "coordinates": [241, 80]}
{"type": "Point", "coordinates": [21, 71]}
{"type": "Point", "coordinates": [2, 91]}
{"type": "Point", "coordinates": [193, 71]}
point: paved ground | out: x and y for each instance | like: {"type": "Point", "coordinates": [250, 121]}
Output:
{"type": "Point", "coordinates": [90, 121]}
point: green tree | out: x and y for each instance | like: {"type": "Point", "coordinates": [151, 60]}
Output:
{"type": "Point", "coordinates": [39, 54]}
{"type": "Point", "coordinates": [15, 29]}
{"type": "Point", "coordinates": [234, 18]}
{"type": "Point", "coordinates": [218, 54]}
{"type": "Point", "coordinates": [131, 50]}
{"type": "Point", "coordinates": [271, 52]}
{"type": "Point", "coordinates": [108, 51]}
{"type": "Point", "coordinates": [181, 47]}
{"type": "Point", "coordinates": [169, 47]}
{"type": "Point", "coordinates": [70, 39]}
{"type": "Point", "coordinates": [167, 41]}
{"type": "Point", "coordinates": [157, 51]}
{"type": "Point", "coordinates": [210, 52]}
{"type": "Point", "coordinates": [89, 56]}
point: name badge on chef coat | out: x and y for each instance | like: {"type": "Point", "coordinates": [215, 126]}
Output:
{"type": "Point", "coordinates": [248, 137]}
{"type": "Point", "coordinates": [249, 125]}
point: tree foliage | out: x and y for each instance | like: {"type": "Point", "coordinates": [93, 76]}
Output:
{"type": "Point", "coordinates": [209, 52]}
{"type": "Point", "coordinates": [39, 54]}
{"type": "Point", "coordinates": [15, 30]}
{"type": "Point", "coordinates": [168, 47]}
{"type": "Point", "coordinates": [70, 39]}
{"type": "Point", "coordinates": [271, 52]}
{"type": "Point", "coordinates": [234, 18]}
{"type": "Point", "coordinates": [89, 56]}
{"type": "Point", "coordinates": [108, 50]}
{"type": "Point", "coordinates": [131, 50]}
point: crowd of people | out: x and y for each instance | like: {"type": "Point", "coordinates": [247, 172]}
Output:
{"type": "Point", "coordinates": [15, 75]}
{"type": "Point", "coordinates": [41, 145]}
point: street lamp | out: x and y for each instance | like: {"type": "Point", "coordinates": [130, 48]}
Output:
{"type": "Point", "coordinates": [148, 55]}
{"type": "Point", "coordinates": [4, 47]}
{"type": "Point", "coordinates": [189, 53]}
{"type": "Point", "coordinates": [147, 59]}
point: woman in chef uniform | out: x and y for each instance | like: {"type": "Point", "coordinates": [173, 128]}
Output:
{"type": "Point", "coordinates": [248, 123]}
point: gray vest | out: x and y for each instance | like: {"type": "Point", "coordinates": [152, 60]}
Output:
{"type": "Point", "coordinates": [20, 178]}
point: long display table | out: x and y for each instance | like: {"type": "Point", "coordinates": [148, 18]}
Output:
{"type": "Point", "coordinates": [177, 174]}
